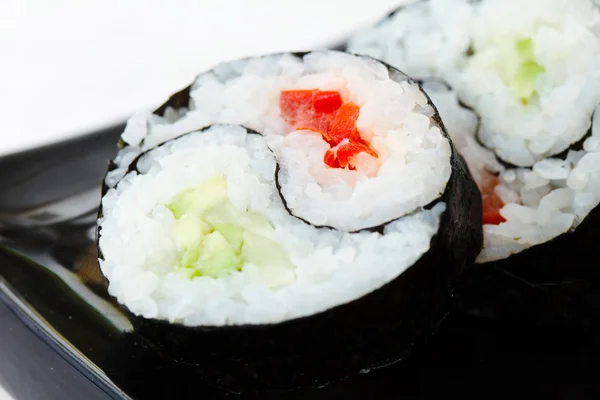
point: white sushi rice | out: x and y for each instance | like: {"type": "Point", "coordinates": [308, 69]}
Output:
{"type": "Point", "coordinates": [413, 165]}
{"type": "Point", "coordinates": [330, 267]}
{"type": "Point", "coordinates": [541, 203]}
{"type": "Point", "coordinates": [432, 39]}
{"type": "Point", "coordinates": [461, 124]}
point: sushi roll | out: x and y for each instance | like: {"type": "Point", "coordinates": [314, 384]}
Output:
{"type": "Point", "coordinates": [534, 80]}
{"type": "Point", "coordinates": [521, 104]}
{"type": "Point", "coordinates": [541, 285]}
{"type": "Point", "coordinates": [288, 220]}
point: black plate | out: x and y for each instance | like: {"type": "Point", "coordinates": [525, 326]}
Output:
{"type": "Point", "coordinates": [78, 345]}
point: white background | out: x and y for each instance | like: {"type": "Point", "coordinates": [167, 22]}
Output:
{"type": "Point", "coordinates": [72, 66]}
{"type": "Point", "coordinates": [68, 67]}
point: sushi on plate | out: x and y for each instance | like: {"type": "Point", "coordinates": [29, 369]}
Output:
{"type": "Point", "coordinates": [288, 220]}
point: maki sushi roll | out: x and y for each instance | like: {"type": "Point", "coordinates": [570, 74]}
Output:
{"type": "Point", "coordinates": [522, 94]}
{"type": "Point", "coordinates": [318, 241]}
{"type": "Point", "coordinates": [529, 69]}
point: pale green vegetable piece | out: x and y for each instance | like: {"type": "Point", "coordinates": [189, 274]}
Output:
{"type": "Point", "coordinates": [189, 257]}
{"type": "Point", "coordinates": [524, 81]}
{"type": "Point", "coordinates": [515, 63]}
{"type": "Point", "coordinates": [524, 49]}
{"type": "Point", "coordinates": [217, 258]}
{"type": "Point", "coordinates": [226, 213]}
{"type": "Point", "coordinates": [190, 229]}
{"type": "Point", "coordinates": [214, 238]}
{"type": "Point", "coordinates": [233, 234]}
{"type": "Point", "coordinates": [260, 250]}
{"type": "Point", "coordinates": [528, 71]}
{"type": "Point", "coordinates": [199, 200]}
{"type": "Point", "coordinates": [275, 266]}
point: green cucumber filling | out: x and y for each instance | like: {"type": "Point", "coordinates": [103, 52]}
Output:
{"type": "Point", "coordinates": [527, 73]}
{"type": "Point", "coordinates": [516, 64]}
{"type": "Point", "coordinates": [214, 238]}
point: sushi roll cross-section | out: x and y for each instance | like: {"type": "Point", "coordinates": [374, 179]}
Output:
{"type": "Point", "coordinates": [523, 86]}
{"type": "Point", "coordinates": [528, 68]}
{"type": "Point", "coordinates": [300, 218]}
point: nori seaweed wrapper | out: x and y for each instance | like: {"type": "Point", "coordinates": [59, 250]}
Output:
{"type": "Point", "coordinates": [554, 284]}
{"type": "Point", "coordinates": [373, 331]}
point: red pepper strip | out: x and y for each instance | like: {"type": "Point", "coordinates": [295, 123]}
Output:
{"type": "Point", "coordinates": [347, 151]}
{"type": "Point", "coordinates": [355, 136]}
{"type": "Point", "coordinates": [326, 101]}
{"type": "Point", "coordinates": [329, 159]}
{"type": "Point", "coordinates": [323, 112]}
{"type": "Point", "coordinates": [343, 126]}
{"type": "Point", "coordinates": [296, 106]}
{"type": "Point", "coordinates": [318, 123]}
{"type": "Point", "coordinates": [491, 203]}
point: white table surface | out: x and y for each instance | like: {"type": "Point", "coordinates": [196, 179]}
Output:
{"type": "Point", "coordinates": [70, 67]}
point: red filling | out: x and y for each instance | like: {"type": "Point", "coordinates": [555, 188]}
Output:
{"type": "Point", "coordinates": [491, 203]}
{"type": "Point", "coordinates": [325, 112]}
{"type": "Point", "coordinates": [344, 125]}
{"type": "Point", "coordinates": [343, 155]}
{"type": "Point", "coordinates": [326, 102]}
{"type": "Point", "coordinates": [295, 105]}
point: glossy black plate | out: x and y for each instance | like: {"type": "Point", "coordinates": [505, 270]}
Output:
{"type": "Point", "coordinates": [63, 338]}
